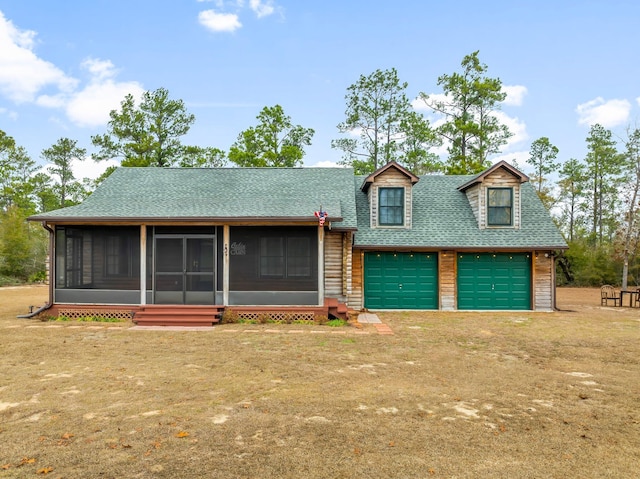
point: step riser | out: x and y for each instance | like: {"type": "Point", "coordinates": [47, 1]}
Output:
{"type": "Point", "coordinates": [178, 315]}
{"type": "Point", "coordinates": [175, 323]}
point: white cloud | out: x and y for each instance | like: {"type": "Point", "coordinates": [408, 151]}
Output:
{"type": "Point", "coordinates": [326, 164]}
{"type": "Point", "coordinates": [419, 104]}
{"type": "Point", "coordinates": [516, 158]}
{"type": "Point", "coordinates": [608, 113]}
{"type": "Point", "coordinates": [262, 9]}
{"type": "Point", "coordinates": [219, 22]}
{"type": "Point", "coordinates": [22, 73]}
{"type": "Point", "coordinates": [88, 168]}
{"type": "Point", "coordinates": [515, 125]}
{"type": "Point", "coordinates": [9, 113]}
{"type": "Point", "coordinates": [99, 69]}
{"type": "Point", "coordinates": [515, 94]}
{"type": "Point", "coordinates": [91, 105]}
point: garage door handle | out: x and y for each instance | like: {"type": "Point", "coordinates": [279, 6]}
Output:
{"type": "Point", "coordinates": [493, 287]}
{"type": "Point", "coordinates": [399, 286]}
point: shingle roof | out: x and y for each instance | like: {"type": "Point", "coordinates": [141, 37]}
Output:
{"type": "Point", "coordinates": [288, 194]}
{"type": "Point", "coordinates": [442, 218]}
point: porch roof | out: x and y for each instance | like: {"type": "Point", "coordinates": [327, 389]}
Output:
{"type": "Point", "coordinates": [217, 194]}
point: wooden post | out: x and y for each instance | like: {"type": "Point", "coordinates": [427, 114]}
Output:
{"type": "Point", "coordinates": [225, 265]}
{"type": "Point", "coordinates": [320, 266]}
{"type": "Point", "coordinates": [143, 264]}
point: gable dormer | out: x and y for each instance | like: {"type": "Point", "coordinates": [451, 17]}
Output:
{"type": "Point", "coordinates": [390, 198]}
{"type": "Point", "coordinates": [494, 196]}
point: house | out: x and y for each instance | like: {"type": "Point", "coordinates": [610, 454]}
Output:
{"type": "Point", "coordinates": [303, 240]}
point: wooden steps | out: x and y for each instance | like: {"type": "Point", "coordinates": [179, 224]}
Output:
{"type": "Point", "coordinates": [177, 315]}
{"type": "Point", "coordinates": [197, 315]}
{"type": "Point", "coordinates": [335, 308]}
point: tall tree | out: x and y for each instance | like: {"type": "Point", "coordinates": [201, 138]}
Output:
{"type": "Point", "coordinates": [23, 247]}
{"type": "Point", "coordinates": [16, 171]}
{"type": "Point", "coordinates": [631, 194]}
{"type": "Point", "coordinates": [44, 192]}
{"type": "Point", "coordinates": [603, 168]}
{"type": "Point", "coordinates": [418, 138]}
{"type": "Point", "coordinates": [275, 141]}
{"type": "Point", "coordinates": [468, 108]}
{"type": "Point", "coordinates": [572, 183]}
{"type": "Point", "coordinates": [542, 157]}
{"type": "Point", "coordinates": [147, 134]}
{"type": "Point", "coordinates": [197, 157]}
{"type": "Point", "coordinates": [7, 149]}
{"type": "Point", "coordinates": [60, 156]}
{"type": "Point", "coordinates": [376, 107]}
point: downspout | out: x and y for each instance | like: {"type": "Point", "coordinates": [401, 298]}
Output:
{"type": "Point", "coordinates": [34, 313]}
{"type": "Point", "coordinates": [47, 305]}
{"type": "Point", "coordinates": [553, 280]}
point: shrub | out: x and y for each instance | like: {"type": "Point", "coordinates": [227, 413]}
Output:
{"type": "Point", "coordinates": [336, 323]}
{"type": "Point", "coordinates": [320, 320]}
{"type": "Point", "coordinates": [229, 316]}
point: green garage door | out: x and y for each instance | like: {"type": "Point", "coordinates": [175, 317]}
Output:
{"type": "Point", "coordinates": [494, 281]}
{"type": "Point", "coordinates": [401, 280]}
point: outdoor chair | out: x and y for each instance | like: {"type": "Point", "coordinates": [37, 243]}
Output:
{"type": "Point", "coordinates": [608, 293]}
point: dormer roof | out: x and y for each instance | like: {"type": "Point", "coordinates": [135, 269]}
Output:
{"type": "Point", "coordinates": [520, 176]}
{"type": "Point", "coordinates": [369, 180]}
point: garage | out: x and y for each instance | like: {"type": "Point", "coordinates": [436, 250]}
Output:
{"type": "Point", "coordinates": [494, 281]}
{"type": "Point", "coordinates": [406, 280]}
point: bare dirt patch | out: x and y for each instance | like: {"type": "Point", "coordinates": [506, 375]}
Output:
{"type": "Point", "coordinates": [503, 395]}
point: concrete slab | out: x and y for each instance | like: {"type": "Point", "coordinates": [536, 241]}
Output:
{"type": "Point", "coordinates": [368, 318]}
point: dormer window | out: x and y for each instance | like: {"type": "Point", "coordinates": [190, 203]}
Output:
{"type": "Point", "coordinates": [499, 206]}
{"type": "Point", "coordinates": [391, 207]}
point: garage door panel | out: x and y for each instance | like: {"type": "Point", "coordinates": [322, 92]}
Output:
{"type": "Point", "coordinates": [494, 281]}
{"type": "Point", "coordinates": [401, 280]}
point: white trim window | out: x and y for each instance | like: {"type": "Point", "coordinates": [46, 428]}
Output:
{"type": "Point", "coordinates": [391, 206]}
{"type": "Point", "coordinates": [499, 206]}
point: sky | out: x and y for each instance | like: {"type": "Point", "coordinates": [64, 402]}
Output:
{"type": "Point", "coordinates": [564, 64]}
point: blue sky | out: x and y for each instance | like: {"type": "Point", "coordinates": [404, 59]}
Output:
{"type": "Point", "coordinates": [564, 64]}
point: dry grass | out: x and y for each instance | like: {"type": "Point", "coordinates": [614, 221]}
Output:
{"type": "Point", "coordinates": [501, 395]}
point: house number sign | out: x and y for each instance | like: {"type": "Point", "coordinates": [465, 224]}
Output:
{"type": "Point", "coordinates": [238, 249]}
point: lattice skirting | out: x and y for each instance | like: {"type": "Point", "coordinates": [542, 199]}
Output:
{"type": "Point", "coordinates": [276, 316]}
{"type": "Point", "coordinates": [75, 314]}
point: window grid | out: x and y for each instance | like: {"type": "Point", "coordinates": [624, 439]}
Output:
{"type": "Point", "coordinates": [500, 206]}
{"type": "Point", "coordinates": [391, 206]}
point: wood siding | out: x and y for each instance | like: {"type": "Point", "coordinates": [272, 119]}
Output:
{"type": "Point", "coordinates": [391, 178]}
{"type": "Point", "coordinates": [333, 265]}
{"type": "Point", "coordinates": [447, 280]}
{"type": "Point", "coordinates": [473, 195]}
{"type": "Point", "coordinates": [543, 281]}
{"type": "Point", "coordinates": [355, 299]}
{"type": "Point", "coordinates": [347, 262]}
{"type": "Point", "coordinates": [477, 196]}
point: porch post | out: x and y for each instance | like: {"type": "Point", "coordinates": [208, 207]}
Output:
{"type": "Point", "coordinates": [143, 264]}
{"type": "Point", "coordinates": [320, 266]}
{"type": "Point", "coordinates": [225, 265]}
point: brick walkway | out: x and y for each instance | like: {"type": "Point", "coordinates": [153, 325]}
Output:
{"type": "Point", "coordinates": [379, 327]}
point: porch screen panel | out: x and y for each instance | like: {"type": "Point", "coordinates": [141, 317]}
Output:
{"type": "Point", "coordinates": [273, 259]}
{"type": "Point", "coordinates": [105, 258]}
